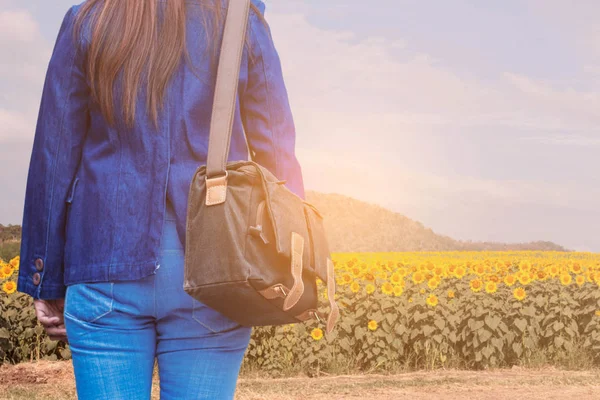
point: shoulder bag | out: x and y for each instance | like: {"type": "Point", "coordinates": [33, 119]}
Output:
{"type": "Point", "coordinates": [254, 250]}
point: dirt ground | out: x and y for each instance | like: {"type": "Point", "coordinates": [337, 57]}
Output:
{"type": "Point", "coordinates": [54, 381]}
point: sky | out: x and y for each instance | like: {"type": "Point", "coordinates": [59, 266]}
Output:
{"type": "Point", "coordinates": [479, 119]}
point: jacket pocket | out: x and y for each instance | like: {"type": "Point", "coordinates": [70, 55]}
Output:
{"type": "Point", "coordinates": [68, 202]}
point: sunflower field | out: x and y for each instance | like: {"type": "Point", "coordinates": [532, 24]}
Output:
{"type": "Point", "coordinates": [452, 309]}
{"type": "Point", "coordinates": [22, 338]}
{"type": "Point", "coordinates": [403, 311]}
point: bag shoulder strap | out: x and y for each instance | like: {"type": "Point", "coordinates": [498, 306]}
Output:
{"type": "Point", "coordinates": [228, 73]}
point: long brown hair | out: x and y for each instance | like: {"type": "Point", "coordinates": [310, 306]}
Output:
{"type": "Point", "coordinates": [143, 39]}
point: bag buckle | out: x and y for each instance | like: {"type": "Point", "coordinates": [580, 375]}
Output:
{"type": "Point", "coordinates": [315, 315]}
{"type": "Point", "coordinates": [282, 290]}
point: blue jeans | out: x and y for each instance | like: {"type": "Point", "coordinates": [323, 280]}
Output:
{"type": "Point", "coordinates": [116, 331]}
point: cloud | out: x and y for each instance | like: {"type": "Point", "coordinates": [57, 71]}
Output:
{"type": "Point", "coordinates": [25, 51]}
{"type": "Point", "coordinates": [381, 86]}
{"type": "Point", "coordinates": [15, 125]}
{"type": "Point", "coordinates": [369, 120]}
{"type": "Point", "coordinates": [565, 140]}
{"type": "Point", "coordinates": [25, 56]}
{"type": "Point", "coordinates": [18, 25]}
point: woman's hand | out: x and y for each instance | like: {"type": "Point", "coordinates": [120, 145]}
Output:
{"type": "Point", "coordinates": [50, 315]}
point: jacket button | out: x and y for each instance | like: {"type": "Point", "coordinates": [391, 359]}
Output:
{"type": "Point", "coordinates": [39, 264]}
{"type": "Point", "coordinates": [36, 278]}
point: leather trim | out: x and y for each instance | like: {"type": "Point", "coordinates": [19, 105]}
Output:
{"type": "Point", "coordinates": [226, 89]}
{"type": "Point", "coordinates": [298, 287]}
{"type": "Point", "coordinates": [257, 230]}
{"type": "Point", "coordinates": [216, 190]}
{"type": "Point", "coordinates": [334, 312]}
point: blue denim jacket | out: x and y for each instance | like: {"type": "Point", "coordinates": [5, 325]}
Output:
{"type": "Point", "coordinates": [96, 195]}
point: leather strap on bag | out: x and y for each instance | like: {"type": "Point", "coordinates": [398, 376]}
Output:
{"type": "Point", "coordinates": [334, 310]}
{"type": "Point", "coordinates": [225, 98]}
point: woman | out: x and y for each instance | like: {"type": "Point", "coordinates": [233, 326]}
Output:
{"type": "Point", "coordinates": [123, 125]}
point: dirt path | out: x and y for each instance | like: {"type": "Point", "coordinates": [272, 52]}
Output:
{"type": "Point", "coordinates": [54, 381]}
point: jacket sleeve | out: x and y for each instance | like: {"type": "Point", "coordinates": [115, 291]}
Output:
{"type": "Point", "coordinates": [266, 112]}
{"type": "Point", "coordinates": [60, 131]}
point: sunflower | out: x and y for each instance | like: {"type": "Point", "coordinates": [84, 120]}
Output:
{"type": "Point", "coordinates": [354, 287]}
{"type": "Point", "coordinates": [541, 275]}
{"type": "Point", "coordinates": [398, 290]}
{"type": "Point", "coordinates": [554, 270]}
{"type": "Point", "coordinates": [410, 300]}
{"type": "Point", "coordinates": [15, 262]}
{"type": "Point", "coordinates": [403, 272]}
{"type": "Point", "coordinates": [476, 285]}
{"type": "Point", "coordinates": [387, 288]}
{"type": "Point", "coordinates": [9, 287]}
{"type": "Point", "coordinates": [525, 266]}
{"type": "Point", "coordinates": [589, 276]}
{"type": "Point", "coordinates": [346, 279]}
{"type": "Point", "coordinates": [451, 294]}
{"type": "Point", "coordinates": [524, 279]}
{"type": "Point", "coordinates": [576, 268]}
{"type": "Point", "coordinates": [432, 300]}
{"type": "Point", "coordinates": [418, 277]}
{"type": "Point", "coordinates": [479, 269]}
{"type": "Point", "coordinates": [356, 272]}
{"type": "Point", "coordinates": [372, 325]}
{"type": "Point", "coordinates": [396, 278]}
{"type": "Point", "coordinates": [519, 293]}
{"type": "Point", "coordinates": [510, 280]}
{"type": "Point", "coordinates": [317, 334]}
{"type": "Point", "coordinates": [491, 287]}
{"type": "Point", "coordinates": [566, 279]}
{"type": "Point", "coordinates": [369, 277]}
{"type": "Point", "coordinates": [370, 288]}
{"type": "Point", "coordinates": [580, 280]}
{"type": "Point", "coordinates": [7, 270]}
{"type": "Point", "coordinates": [433, 283]}
{"type": "Point", "coordinates": [460, 272]}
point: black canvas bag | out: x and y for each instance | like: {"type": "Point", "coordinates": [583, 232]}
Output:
{"type": "Point", "coordinates": [254, 249]}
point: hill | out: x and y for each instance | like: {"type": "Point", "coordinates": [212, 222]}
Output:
{"type": "Point", "coordinates": [10, 233]}
{"type": "Point", "coordinates": [356, 226]}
